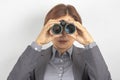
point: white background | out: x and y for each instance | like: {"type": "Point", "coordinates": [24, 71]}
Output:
{"type": "Point", "coordinates": [22, 20]}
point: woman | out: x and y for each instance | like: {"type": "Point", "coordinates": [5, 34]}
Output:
{"type": "Point", "coordinates": [62, 60]}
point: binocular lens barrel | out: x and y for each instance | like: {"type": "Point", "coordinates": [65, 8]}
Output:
{"type": "Point", "coordinates": [70, 28]}
{"type": "Point", "coordinates": [56, 29]}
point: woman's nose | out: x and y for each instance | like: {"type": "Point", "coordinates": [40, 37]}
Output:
{"type": "Point", "coordinates": [64, 32]}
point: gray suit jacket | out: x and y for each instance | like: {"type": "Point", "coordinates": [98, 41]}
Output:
{"type": "Point", "coordinates": [88, 64]}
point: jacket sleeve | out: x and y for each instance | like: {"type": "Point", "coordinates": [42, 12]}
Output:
{"type": "Point", "coordinates": [25, 65]}
{"type": "Point", "coordinates": [95, 64]}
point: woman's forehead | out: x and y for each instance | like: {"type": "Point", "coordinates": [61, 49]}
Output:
{"type": "Point", "coordinates": [66, 18]}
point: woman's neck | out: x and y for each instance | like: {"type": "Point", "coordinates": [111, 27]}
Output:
{"type": "Point", "coordinates": [61, 50]}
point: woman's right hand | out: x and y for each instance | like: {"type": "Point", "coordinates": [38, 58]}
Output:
{"type": "Point", "coordinates": [45, 35]}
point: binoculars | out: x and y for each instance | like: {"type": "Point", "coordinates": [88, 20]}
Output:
{"type": "Point", "coordinates": [69, 28]}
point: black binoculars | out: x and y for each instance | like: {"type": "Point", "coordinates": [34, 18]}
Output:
{"type": "Point", "coordinates": [69, 28]}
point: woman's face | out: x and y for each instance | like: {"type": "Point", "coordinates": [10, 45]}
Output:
{"type": "Point", "coordinates": [64, 40]}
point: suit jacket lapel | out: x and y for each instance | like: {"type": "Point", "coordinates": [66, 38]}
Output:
{"type": "Point", "coordinates": [42, 63]}
{"type": "Point", "coordinates": [78, 63]}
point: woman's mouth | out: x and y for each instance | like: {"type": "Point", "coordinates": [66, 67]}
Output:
{"type": "Point", "coordinates": [63, 41]}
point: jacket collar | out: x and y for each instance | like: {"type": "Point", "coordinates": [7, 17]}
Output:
{"type": "Point", "coordinates": [55, 51]}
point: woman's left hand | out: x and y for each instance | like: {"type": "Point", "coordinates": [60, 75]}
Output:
{"type": "Point", "coordinates": [82, 35]}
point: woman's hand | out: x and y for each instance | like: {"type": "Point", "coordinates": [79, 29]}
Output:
{"type": "Point", "coordinates": [45, 36]}
{"type": "Point", "coordinates": [82, 35]}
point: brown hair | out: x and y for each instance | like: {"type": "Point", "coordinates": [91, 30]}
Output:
{"type": "Point", "coordinates": [61, 10]}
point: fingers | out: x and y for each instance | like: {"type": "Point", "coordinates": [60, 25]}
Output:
{"type": "Point", "coordinates": [79, 30]}
{"type": "Point", "coordinates": [50, 23]}
{"type": "Point", "coordinates": [74, 35]}
{"type": "Point", "coordinates": [78, 25]}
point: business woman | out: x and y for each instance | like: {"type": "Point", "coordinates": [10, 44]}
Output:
{"type": "Point", "coordinates": [62, 60]}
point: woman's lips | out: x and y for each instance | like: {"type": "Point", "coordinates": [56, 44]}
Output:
{"type": "Point", "coordinates": [63, 41]}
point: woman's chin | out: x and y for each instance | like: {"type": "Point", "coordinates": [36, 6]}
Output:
{"type": "Point", "coordinates": [62, 45]}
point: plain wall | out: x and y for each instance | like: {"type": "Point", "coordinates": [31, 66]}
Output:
{"type": "Point", "coordinates": [22, 20]}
